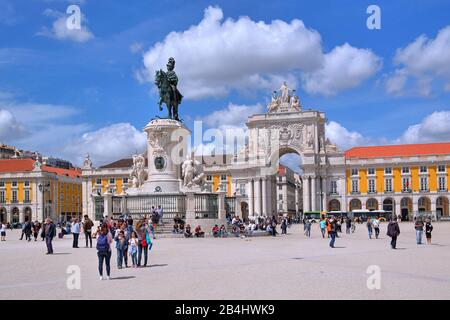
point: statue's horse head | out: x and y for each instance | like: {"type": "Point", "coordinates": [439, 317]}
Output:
{"type": "Point", "coordinates": [159, 77]}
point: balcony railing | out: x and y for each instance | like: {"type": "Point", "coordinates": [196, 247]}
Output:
{"type": "Point", "coordinates": [406, 190]}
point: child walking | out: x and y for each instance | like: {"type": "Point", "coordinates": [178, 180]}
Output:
{"type": "Point", "coordinates": [133, 248]}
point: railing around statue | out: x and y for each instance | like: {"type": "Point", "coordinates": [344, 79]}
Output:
{"type": "Point", "coordinates": [99, 208]}
{"type": "Point", "coordinates": [230, 205]}
{"type": "Point", "coordinates": [206, 206]}
{"type": "Point", "coordinates": [141, 206]}
{"type": "Point", "coordinates": [117, 207]}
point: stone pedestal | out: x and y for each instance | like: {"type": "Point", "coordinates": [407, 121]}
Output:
{"type": "Point", "coordinates": [167, 143]}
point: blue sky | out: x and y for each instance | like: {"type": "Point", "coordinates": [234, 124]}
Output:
{"type": "Point", "coordinates": [65, 94]}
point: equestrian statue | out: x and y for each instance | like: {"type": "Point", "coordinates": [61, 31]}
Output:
{"type": "Point", "coordinates": [168, 93]}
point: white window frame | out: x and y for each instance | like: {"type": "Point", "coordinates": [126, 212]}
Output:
{"type": "Point", "coordinates": [370, 169]}
{"type": "Point", "coordinates": [423, 183]}
{"type": "Point", "coordinates": [333, 187]}
{"type": "Point", "coordinates": [388, 168]}
{"type": "Point", "coordinates": [14, 196]}
{"type": "Point", "coordinates": [388, 186]}
{"type": "Point", "coordinates": [355, 186]}
{"type": "Point", "coordinates": [404, 184]}
{"type": "Point", "coordinates": [423, 167]}
{"type": "Point", "coordinates": [352, 172]}
{"type": "Point", "coordinates": [2, 197]}
{"type": "Point", "coordinates": [442, 183]}
{"type": "Point", "coordinates": [371, 186]}
{"type": "Point", "coordinates": [441, 166]}
{"type": "Point", "coordinates": [406, 170]}
{"type": "Point", "coordinates": [26, 196]}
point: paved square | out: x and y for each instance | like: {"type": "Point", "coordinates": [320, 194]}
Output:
{"type": "Point", "coordinates": [285, 267]}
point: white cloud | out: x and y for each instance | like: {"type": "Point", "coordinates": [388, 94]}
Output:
{"type": "Point", "coordinates": [136, 47]}
{"type": "Point", "coordinates": [10, 128]}
{"type": "Point", "coordinates": [344, 138]}
{"type": "Point", "coordinates": [217, 56]}
{"type": "Point", "coordinates": [231, 116]}
{"type": "Point", "coordinates": [107, 144]}
{"type": "Point", "coordinates": [60, 31]}
{"type": "Point", "coordinates": [422, 60]}
{"type": "Point", "coordinates": [343, 68]}
{"type": "Point", "coordinates": [434, 127]}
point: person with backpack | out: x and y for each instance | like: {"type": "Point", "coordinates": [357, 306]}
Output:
{"type": "Point", "coordinates": [332, 230]}
{"type": "Point", "coordinates": [428, 230]}
{"type": "Point", "coordinates": [87, 228]}
{"type": "Point", "coordinates": [49, 232]}
{"type": "Point", "coordinates": [393, 231]}
{"type": "Point", "coordinates": [104, 240]}
{"type": "Point", "coordinates": [376, 227]}
{"type": "Point", "coordinates": [369, 228]}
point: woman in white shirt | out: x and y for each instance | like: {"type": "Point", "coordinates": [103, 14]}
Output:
{"type": "Point", "coordinates": [3, 231]}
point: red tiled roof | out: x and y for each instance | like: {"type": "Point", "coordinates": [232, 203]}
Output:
{"type": "Point", "coordinates": [72, 173]}
{"type": "Point", "coordinates": [16, 165]}
{"type": "Point", "coordinates": [404, 150]}
{"type": "Point", "coordinates": [24, 165]}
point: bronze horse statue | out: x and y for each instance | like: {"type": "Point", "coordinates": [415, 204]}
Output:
{"type": "Point", "coordinates": [168, 94]}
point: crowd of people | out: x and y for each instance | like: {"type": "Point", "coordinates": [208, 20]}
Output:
{"type": "Point", "coordinates": [134, 240]}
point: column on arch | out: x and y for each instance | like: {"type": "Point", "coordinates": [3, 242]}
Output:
{"type": "Point", "coordinates": [264, 196]}
{"type": "Point", "coordinates": [250, 197]}
{"type": "Point", "coordinates": [306, 194]}
{"type": "Point", "coordinates": [324, 193]}
{"type": "Point", "coordinates": [313, 194]}
{"type": "Point", "coordinates": [258, 196]}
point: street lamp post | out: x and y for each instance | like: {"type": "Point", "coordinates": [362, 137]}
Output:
{"type": "Point", "coordinates": [44, 188]}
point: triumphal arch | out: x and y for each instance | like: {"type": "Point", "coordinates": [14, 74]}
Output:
{"type": "Point", "coordinates": [287, 127]}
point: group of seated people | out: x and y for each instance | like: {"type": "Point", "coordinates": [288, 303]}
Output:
{"type": "Point", "coordinates": [239, 227]}
{"type": "Point", "coordinates": [198, 232]}
{"type": "Point", "coordinates": [178, 225]}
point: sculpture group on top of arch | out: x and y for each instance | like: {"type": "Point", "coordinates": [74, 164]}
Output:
{"type": "Point", "coordinates": [284, 100]}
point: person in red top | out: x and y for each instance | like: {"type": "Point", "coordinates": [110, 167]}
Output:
{"type": "Point", "coordinates": [215, 231]}
{"type": "Point", "coordinates": [198, 232]}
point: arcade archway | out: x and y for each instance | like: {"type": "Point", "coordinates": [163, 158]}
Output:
{"type": "Point", "coordinates": [442, 207]}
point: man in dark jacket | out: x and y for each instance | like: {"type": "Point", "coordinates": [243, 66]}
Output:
{"type": "Point", "coordinates": [393, 231]}
{"type": "Point", "coordinates": [87, 227]}
{"type": "Point", "coordinates": [49, 231]}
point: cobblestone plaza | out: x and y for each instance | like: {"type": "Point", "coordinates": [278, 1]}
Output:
{"type": "Point", "coordinates": [285, 267]}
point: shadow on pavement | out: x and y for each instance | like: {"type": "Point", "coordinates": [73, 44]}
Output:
{"type": "Point", "coordinates": [123, 278]}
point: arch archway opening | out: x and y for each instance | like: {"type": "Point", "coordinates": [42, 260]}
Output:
{"type": "Point", "coordinates": [372, 204]}
{"type": "Point", "coordinates": [406, 208]}
{"type": "Point", "coordinates": [442, 207]}
{"type": "Point", "coordinates": [355, 204]}
{"type": "Point", "coordinates": [289, 198]}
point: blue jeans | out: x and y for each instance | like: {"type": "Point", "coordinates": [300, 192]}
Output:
{"type": "Point", "coordinates": [119, 258]}
{"type": "Point", "coordinates": [140, 249]}
{"type": "Point", "coordinates": [134, 258]}
{"type": "Point", "coordinates": [419, 236]}
{"type": "Point", "coordinates": [48, 242]}
{"type": "Point", "coordinates": [323, 232]}
{"type": "Point", "coordinates": [104, 256]}
{"type": "Point", "coordinates": [370, 233]}
{"type": "Point", "coordinates": [333, 239]}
